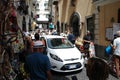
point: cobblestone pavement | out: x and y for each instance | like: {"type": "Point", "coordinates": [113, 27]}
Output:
{"type": "Point", "coordinates": [80, 75]}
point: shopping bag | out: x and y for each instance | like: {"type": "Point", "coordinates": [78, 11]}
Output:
{"type": "Point", "coordinates": [108, 50]}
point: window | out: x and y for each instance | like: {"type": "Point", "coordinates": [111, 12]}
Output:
{"type": "Point", "coordinates": [37, 5]}
{"type": "Point", "coordinates": [38, 16]}
{"type": "Point", "coordinates": [47, 15]}
{"type": "Point", "coordinates": [46, 6]}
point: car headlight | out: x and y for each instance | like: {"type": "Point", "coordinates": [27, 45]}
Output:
{"type": "Point", "coordinates": [56, 57]}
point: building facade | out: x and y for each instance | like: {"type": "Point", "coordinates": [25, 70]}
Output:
{"type": "Point", "coordinates": [24, 10]}
{"type": "Point", "coordinates": [71, 15]}
{"type": "Point", "coordinates": [107, 13]}
{"type": "Point", "coordinates": [32, 14]}
{"type": "Point", "coordinates": [107, 21]}
{"type": "Point", "coordinates": [42, 13]}
{"type": "Point", "coordinates": [98, 16]}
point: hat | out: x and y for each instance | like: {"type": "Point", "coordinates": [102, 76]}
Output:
{"type": "Point", "coordinates": [118, 33]}
{"type": "Point", "coordinates": [38, 44]}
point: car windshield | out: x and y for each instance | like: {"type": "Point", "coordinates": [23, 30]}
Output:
{"type": "Point", "coordinates": [59, 43]}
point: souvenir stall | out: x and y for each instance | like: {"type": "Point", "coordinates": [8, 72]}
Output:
{"type": "Point", "coordinates": [11, 41]}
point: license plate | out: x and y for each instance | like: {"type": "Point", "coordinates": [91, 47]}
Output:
{"type": "Point", "coordinates": [72, 66]}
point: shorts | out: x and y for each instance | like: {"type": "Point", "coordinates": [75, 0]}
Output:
{"type": "Point", "coordinates": [116, 56]}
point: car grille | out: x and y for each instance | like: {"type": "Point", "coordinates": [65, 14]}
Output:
{"type": "Point", "coordinates": [68, 66]}
{"type": "Point", "coordinates": [72, 59]}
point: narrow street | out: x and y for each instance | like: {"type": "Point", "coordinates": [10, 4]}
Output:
{"type": "Point", "coordinates": [80, 75]}
{"type": "Point", "coordinates": [20, 20]}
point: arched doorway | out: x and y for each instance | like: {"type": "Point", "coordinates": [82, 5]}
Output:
{"type": "Point", "coordinates": [74, 24]}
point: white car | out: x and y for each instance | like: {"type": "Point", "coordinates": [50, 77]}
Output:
{"type": "Point", "coordinates": [63, 55]}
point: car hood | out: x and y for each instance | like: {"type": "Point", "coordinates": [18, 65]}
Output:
{"type": "Point", "coordinates": [66, 53]}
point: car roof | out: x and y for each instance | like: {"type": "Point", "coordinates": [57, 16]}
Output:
{"type": "Point", "coordinates": [52, 36]}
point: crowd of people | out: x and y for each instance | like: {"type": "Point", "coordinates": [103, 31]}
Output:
{"type": "Point", "coordinates": [115, 46]}
{"type": "Point", "coordinates": [38, 65]}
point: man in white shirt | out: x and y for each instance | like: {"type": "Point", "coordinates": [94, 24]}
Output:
{"type": "Point", "coordinates": [116, 46]}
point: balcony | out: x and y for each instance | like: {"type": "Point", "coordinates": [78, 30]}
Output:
{"type": "Point", "coordinates": [55, 2]}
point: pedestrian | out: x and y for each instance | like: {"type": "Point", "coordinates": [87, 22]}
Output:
{"type": "Point", "coordinates": [32, 36]}
{"type": "Point", "coordinates": [29, 44]}
{"type": "Point", "coordinates": [87, 39]}
{"type": "Point", "coordinates": [54, 32]}
{"type": "Point", "coordinates": [116, 47]}
{"type": "Point", "coordinates": [86, 43]}
{"type": "Point", "coordinates": [88, 36]}
{"type": "Point", "coordinates": [71, 37]}
{"type": "Point", "coordinates": [37, 64]}
{"type": "Point", "coordinates": [109, 48]}
{"type": "Point", "coordinates": [114, 37]}
{"type": "Point", "coordinates": [51, 27]}
{"type": "Point", "coordinates": [97, 69]}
